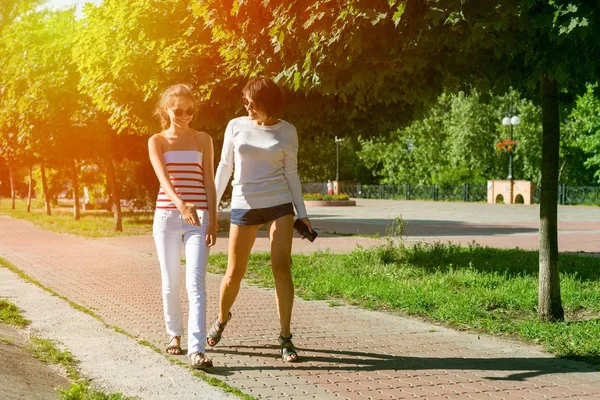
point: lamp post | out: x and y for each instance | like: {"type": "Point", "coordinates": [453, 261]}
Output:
{"type": "Point", "coordinates": [510, 120]}
{"type": "Point", "coordinates": [337, 157]}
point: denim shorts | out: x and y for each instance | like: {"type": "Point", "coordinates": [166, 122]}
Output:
{"type": "Point", "coordinates": [259, 216]}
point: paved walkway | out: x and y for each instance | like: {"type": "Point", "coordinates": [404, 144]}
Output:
{"type": "Point", "coordinates": [347, 352]}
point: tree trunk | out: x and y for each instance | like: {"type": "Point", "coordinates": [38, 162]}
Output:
{"type": "Point", "coordinates": [30, 188]}
{"type": "Point", "coordinates": [116, 199]}
{"type": "Point", "coordinates": [549, 302]}
{"type": "Point", "coordinates": [11, 180]}
{"type": "Point", "coordinates": [75, 182]}
{"type": "Point", "coordinates": [45, 189]}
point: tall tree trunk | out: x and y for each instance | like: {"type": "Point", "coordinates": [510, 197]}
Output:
{"type": "Point", "coordinates": [30, 188]}
{"type": "Point", "coordinates": [45, 189]}
{"type": "Point", "coordinates": [75, 182]}
{"type": "Point", "coordinates": [11, 180]}
{"type": "Point", "coordinates": [116, 198]}
{"type": "Point", "coordinates": [549, 302]}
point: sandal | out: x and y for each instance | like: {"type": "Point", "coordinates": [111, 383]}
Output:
{"type": "Point", "coordinates": [216, 331]}
{"type": "Point", "coordinates": [174, 344]}
{"type": "Point", "coordinates": [200, 361]}
{"type": "Point", "coordinates": [287, 349]}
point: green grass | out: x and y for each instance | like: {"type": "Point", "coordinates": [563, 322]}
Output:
{"type": "Point", "coordinates": [11, 315]}
{"type": "Point", "coordinates": [472, 288]}
{"type": "Point", "coordinates": [83, 392]}
{"type": "Point", "coordinates": [46, 351]}
{"type": "Point", "coordinates": [95, 223]}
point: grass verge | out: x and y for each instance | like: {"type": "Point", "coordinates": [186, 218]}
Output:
{"type": "Point", "coordinates": [473, 288]}
{"type": "Point", "coordinates": [46, 351]}
{"type": "Point", "coordinates": [10, 314]}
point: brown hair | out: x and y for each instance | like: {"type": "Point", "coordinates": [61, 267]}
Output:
{"type": "Point", "coordinates": [178, 90]}
{"type": "Point", "coordinates": [265, 94]}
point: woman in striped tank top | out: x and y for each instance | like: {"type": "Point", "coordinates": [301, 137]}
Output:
{"type": "Point", "coordinates": [186, 212]}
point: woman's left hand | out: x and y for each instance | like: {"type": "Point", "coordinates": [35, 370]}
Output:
{"type": "Point", "coordinates": [307, 223]}
{"type": "Point", "coordinates": [211, 235]}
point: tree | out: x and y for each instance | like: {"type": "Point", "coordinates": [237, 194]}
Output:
{"type": "Point", "coordinates": [549, 43]}
{"type": "Point", "coordinates": [41, 88]}
{"type": "Point", "coordinates": [583, 130]}
{"type": "Point", "coordinates": [454, 143]}
{"type": "Point", "coordinates": [10, 148]}
{"type": "Point", "coordinates": [543, 46]}
{"type": "Point", "coordinates": [11, 9]}
{"type": "Point", "coordinates": [151, 46]}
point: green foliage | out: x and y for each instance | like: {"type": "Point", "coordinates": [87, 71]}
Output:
{"type": "Point", "coordinates": [39, 94]}
{"type": "Point", "coordinates": [145, 57]}
{"type": "Point", "coordinates": [358, 68]}
{"type": "Point", "coordinates": [454, 143]}
{"type": "Point", "coordinates": [583, 132]}
{"type": "Point", "coordinates": [10, 10]}
{"type": "Point", "coordinates": [326, 197]}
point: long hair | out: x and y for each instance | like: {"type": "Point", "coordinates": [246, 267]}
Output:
{"type": "Point", "coordinates": [178, 90]}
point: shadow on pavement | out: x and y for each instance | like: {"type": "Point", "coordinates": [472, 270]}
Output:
{"type": "Point", "coordinates": [362, 361]}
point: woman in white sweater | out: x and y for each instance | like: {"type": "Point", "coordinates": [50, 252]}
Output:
{"type": "Point", "coordinates": [261, 152]}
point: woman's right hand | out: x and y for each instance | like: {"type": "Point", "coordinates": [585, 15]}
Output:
{"type": "Point", "coordinates": [189, 214]}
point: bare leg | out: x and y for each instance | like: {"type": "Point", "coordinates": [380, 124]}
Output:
{"type": "Point", "coordinates": [241, 240]}
{"type": "Point", "coordinates": [280, 233]}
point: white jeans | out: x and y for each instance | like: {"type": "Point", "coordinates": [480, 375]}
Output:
{"type": "Point", "coordinates": [170, 230]}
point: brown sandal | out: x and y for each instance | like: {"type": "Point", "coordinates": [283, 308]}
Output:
{"type": "Point", "coordinates": [173, 346]}
{"type": "Point", "coordinates": [200, 361]}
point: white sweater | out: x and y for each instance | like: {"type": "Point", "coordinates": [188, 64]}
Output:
{"type": "Point", "coordinates": [266, 165]}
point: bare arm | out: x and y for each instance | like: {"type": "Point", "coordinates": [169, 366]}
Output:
{"type": "Point", "coordinates": [208, 167]}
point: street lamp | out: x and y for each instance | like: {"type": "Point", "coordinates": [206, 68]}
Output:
{"type": "Point", "coordinates": [510, 120]}
{"type": "Point", "coordinates": [337, 157]}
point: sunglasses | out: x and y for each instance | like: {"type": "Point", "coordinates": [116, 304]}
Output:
{"type": "Point", "coordinates": [179, 112]}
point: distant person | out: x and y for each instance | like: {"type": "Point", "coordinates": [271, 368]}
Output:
{"type": "Point", "coordinates": [329, 187]}
{"type": "Point", "coordinates": [261, 152]}
{"type": "Point", "coordinates": [186, 212]}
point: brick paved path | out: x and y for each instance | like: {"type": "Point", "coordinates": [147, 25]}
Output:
{"type": "Point", "coordinates": [347, 352]}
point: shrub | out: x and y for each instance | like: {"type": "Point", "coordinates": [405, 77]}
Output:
{"type": "Point", "coordinates": [325, 197]}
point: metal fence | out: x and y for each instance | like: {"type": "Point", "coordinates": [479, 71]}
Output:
{"type": "Point", "coordinates": [567, 195]}
{"type": "Point", "coordinates": [578, 195]}
{"type": "Point", "coordinates": [466, 192]}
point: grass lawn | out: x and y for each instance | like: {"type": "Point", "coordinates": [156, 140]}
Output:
{"type": "Point", "coordinates": [471, 288]}
{"type": "Point", "coordinates": [93, 223]}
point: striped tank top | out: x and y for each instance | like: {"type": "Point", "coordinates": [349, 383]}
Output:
{"type": "Point", "coordinates": [185, 173]}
